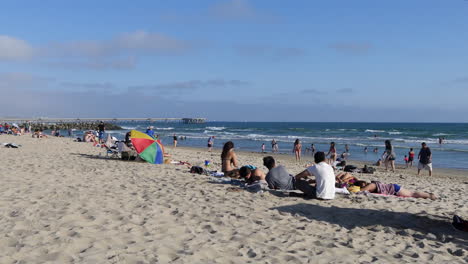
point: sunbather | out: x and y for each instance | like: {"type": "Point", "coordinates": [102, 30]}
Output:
{"type": "Point", "coordinates": [229, 160]}
{"type": "Point", "coordinates": [251, 174]}
{"type": "Point", "coordinates": [392, 189]}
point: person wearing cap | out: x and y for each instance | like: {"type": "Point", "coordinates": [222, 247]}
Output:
{"type": "Point", "coordinates": [150, 131]}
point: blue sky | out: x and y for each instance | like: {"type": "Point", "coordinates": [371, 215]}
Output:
{"type": "Point", "coordinates": [236, 60]}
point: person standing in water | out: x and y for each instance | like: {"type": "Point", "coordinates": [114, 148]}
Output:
{"type": "Point", "coordinates": [175, 140]}
{"type": "Point", "coordinates": [274, 146]}
{"type": "Point", "coordinates": [263, 148]}
{"type": "Point", "coordinates": [297, 149]}
{"type": "Point", "coordinates": [332, 153]}
{"type": "Point", "coordinates": [210, 143]}
{"type": "Point", "coordinates": [410, 157]}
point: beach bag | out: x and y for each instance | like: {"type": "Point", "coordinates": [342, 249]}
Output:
{"type": "Point", "coordinates": [197, 170]}
{"type": "Point", "coordinates": [350, 168]}
{"type": "Point", "coordinates": [369, 170]}
{"type": "Point", "coordinates": [354, 189]}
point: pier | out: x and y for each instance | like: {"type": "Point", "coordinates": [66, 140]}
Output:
{"type": "Point", "coordinates": [45, 120]}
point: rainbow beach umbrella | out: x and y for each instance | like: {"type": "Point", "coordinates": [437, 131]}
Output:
{"type": "Point", "coordinates": [147, 147]}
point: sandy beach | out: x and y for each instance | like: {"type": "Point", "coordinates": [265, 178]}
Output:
{"type": "Point", "coordinates": [66, 202]}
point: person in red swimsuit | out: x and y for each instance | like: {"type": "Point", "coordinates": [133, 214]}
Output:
{"type": "Point", "coordinates": [410, 157]}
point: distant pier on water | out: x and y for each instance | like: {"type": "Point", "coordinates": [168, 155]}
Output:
{"type": "Point", "coordinates": [185, 120]}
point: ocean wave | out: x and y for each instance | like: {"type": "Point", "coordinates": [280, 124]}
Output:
{"type": "Point", "coordinates": [164, 128]}
{"type": "Point", "coordinates": [394, 133]}
{"type": "Point", "coordinates": [215, 128]}
{"type": "Point", "coordinates": [374, 131]}
{"type": "Point", "coordinates": [128, 127]}
{"type": "Point", "coordinates": [440, 134]}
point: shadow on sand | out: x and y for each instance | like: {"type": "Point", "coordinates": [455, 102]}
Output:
{"type": "Point", "coordinates": [376, 220]}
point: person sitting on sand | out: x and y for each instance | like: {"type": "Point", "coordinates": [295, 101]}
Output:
{"type": "Point", "coordinates": [229, 162]}
{"type": "Point", "coordinates": [278, 178]}
{"type": "Point", "coordinates": [392, 189]}
{"type": "Point", "coordinates": [324, 177]}
{"type": "Point", "coordinates": [251, 174]}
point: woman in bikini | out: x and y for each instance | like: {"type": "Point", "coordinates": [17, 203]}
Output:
{"type": "Point", "coordinates": [389, 155]}
{"type": "Point", "coordinates": [297, 149]}
{"type": "Point", "coordinates": [332, 153]}
{"type": "Point", "coordinates": [229, 162]}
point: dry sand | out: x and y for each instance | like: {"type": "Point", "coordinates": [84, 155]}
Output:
{"type": "Point", "coordinates": [64, 202]}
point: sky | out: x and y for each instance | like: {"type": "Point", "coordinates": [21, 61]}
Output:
{"type": "Point", "coordinates": [236, 60]}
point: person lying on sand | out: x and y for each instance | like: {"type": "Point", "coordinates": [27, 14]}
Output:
{"type": "Point", "coordinates": [251, 174]}
{"type": "Point", "coordinates": [392, 189]}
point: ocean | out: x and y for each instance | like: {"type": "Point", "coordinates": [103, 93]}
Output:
{"type": "Point", "coordinates": [249, 136]}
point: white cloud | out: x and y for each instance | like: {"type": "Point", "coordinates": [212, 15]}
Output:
{"type": "Point", "coordinates": [14, 49]}
{"type": "Point", "coordinates": [120, 52]}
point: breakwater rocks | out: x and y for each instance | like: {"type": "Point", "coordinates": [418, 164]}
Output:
{"type": "Point", "coordinates": [72, 125]}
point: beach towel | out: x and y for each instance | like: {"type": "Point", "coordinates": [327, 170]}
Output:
{"type": "Point", "coordinates": [257, 186]}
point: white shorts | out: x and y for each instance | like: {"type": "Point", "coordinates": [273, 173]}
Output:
{"type": "Point", "coordinates": [422, 166]}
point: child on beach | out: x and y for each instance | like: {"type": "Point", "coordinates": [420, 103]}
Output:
{"type": "Point", "coordinates": [406, 161]}
{"type": "Point", "coordinates": [263, 148]}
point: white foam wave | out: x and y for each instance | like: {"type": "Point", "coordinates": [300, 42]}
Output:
{"type": "Point", "coordinates": [395, 133]}
{"type": "Point", "coordinates": [374, 131]}
{"type": "Point", "coordinates": [164, 128]}
{"type": "Point", "coordinates": [215, 128]}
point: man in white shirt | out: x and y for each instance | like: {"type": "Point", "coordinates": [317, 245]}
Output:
{"type": "Point", "coordinates": [324, 177]}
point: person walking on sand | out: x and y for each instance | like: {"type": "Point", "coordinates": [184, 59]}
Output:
{"type": "Point", "coordinates": [332, 153]}
{"type": "Point", "coordinates": [425, 159]}
{"type": "Point", "coordinates": [210, 143]}
{"type": "Point", "coordinates": [175, 140]}
{"type": "Point", "coordinates": [410, 157]}
{"type": "Point", "coordinates": [389, 155]}
{"type": "Point", "coordinates": [297, 149]}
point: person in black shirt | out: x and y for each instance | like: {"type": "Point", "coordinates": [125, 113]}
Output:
{"type": "Point", "coordinates": [425, 159]}
{"type": "Point", "coordinates": [101, 129]}
{"type": "Point", "coordinates": [175, 141]}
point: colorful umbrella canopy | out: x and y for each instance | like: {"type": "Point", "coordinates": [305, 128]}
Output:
{"type": "Point", "coordinates": [147, 147]}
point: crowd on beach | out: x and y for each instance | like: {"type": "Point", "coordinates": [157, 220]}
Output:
{"type": "Point", "coordinates": [322, 186]}
{"type": "Point", "coordinates": [327, 175]}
